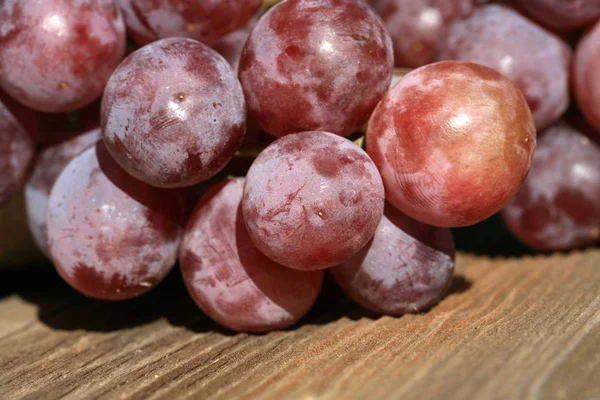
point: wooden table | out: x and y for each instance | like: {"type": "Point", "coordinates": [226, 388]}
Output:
{"type": "Point", "coordinates": [509, 329]}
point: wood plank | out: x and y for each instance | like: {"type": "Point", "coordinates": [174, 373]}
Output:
{"type": "Point", "coordinates": [510, 328]}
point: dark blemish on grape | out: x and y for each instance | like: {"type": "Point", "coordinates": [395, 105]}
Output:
{"type": "Point", "coordinates": [325, 165]}
{"type": "Point", "coordinates": [179, 97]}
{"type": "Point", "coordinates": [295, 53]}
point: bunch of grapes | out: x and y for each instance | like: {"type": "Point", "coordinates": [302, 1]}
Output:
{"type": "Point", "coordinates": [260, 146]}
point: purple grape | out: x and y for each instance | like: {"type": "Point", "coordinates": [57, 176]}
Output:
{"type": "Point", "coordinates": [56, 55]}
{"type": "Point", "coordinates": [173, 113]}
{"type": "Point", "coordinates": [312, 200]}
{"type": "Point", "coordinates": [230, 279]}
{"type": "Point", "coordinates": [316, 65]}
{"type": "Point", "coordinates": [406, 267]}
{"type": "Point", "coordinates": [557, 207]}
{"type": "Point", "coordinates": [586, 74]}
{"type": "Point", "coordinates": [48, 166]}
{"type": "Point", "coordinates": [203, 20]}
{"type": "Point", "coordinates": [17, 150]}
{"type": "Point", "coordinates": [110, 236]}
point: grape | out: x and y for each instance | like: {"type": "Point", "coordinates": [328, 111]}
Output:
{"type": "Point", "coordinates": [203, 20]}
{"type": "Point", "coordinates": [24, 115]}
{"type": "Point", "coordinates": [561, 15]}
{"type": "Point", "coordinates": [586, 71]}
{"type": "Point", "coordinates": [230, 280]}
{"type": "Point", "coordinates": [56, 55]}
{"type": "Point", "coordinates": [48, 166]}
{"type": "Point", "coordinates": [557, 207]}
{"type": "Point", "coordinates": [453, 142]}
{"type": "Point", "coordinates": [537, 61]}
{"type": "Point", "coordinates": [17, 150]}
{"type": "Point", "coordinates": [110, 236]}
{"type": "Point", "coordinates": [173, 113]}
{"type": "Point", "coordinates": [232, 45]}
{"type": "Point", "coordinates": [312, 200]}
{"type": "Point", "coordinates": [316, 65]}
{"type": "Point", "coordinates": [416, 26]}
{"type": "Point", "coordinates": [407, 266]}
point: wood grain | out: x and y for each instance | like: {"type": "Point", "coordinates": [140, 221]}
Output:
{"type": "Point", "coordinates": [525, 328]}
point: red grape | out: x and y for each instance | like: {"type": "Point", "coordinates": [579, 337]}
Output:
{"type": "Point", "coordinates": [110, 236]}
{"type": "Point", "coordinates": [316, 65]}
{"type": "Point", "coordinates": [17, 150]}
{"type": "Point", "coordinates": [312, 200]}
{"type": "Point", "coordinates": [232, 45]}
{"type": "Point", "coordinates": [27, 117]}
{"type": "Point", "coordinates": [561, 15]}
{"type": "Point", "coordinates": [537, 61]}
{"type": "Point", "coordinates": [230, 279]}
{"type": "Point", "coordinates": [416, 26]}
{"type": "Point", "coordinates": [453, 142]}
{"type": "Point", "coordinates": [173, 113]}
{"type": "Point", "coordinates": [586, 73]}
{"type": "Point", "coordinates": [48, 166]}
{"type": "Point", "coordinates": [557, 207]}
{"type": "Point", "coordinates": [203, 20]}
{"type": "Point", "coordinates": [407, 266]}
{"type": "Point", "coordinates": [56, 55]}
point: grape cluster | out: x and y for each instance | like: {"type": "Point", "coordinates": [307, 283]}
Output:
{"type": "Point", "coordinates": [261, 146]}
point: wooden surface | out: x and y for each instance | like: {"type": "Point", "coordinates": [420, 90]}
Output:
{"type": "Point", "coordinates": [526, 328]}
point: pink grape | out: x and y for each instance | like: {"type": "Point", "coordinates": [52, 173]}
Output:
{"type": "Point", "coordinates": [48, 166]}
{"type": "Point", "coordinates": [561, 15]}
{"type": "Point", "coordinates": [453, 142]}
{"type": "Point", "coordinates": [557, 207]}
{"type": "Point", "coordinates": [416, 26]}
{"type": "Point", "coordinates": [312, 200]}
{"type": "Point", "coordinates": [56, 55]}
{"type": "Point", "coordinates": [537, 61]}
{"type": "Point", "coordinates": [406, 267]}
{"type": "Point", "coordinates": [230, 279]}
{"type": "Point", "coordinates": [316, 65]}
{"type": "Point", "coordinates": [173, 113]}
{"type": "Point", "coordinates": [110, 236]}
{"type": "Point", "coordinates": [17, 150]}
{"type": "Point", "coordinates": [203, 20]}
{"type": "Point", "coordinates": [586, 71]}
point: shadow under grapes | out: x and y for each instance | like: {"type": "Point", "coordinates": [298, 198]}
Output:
{"type": "Point", "coordinates": [61, 307]}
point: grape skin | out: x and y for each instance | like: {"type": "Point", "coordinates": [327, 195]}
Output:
{"type": "Point", "coordinates": [312, 200]}
{"type": "Point", "coordinates": [232, 45]}
{"type": "Point", "coordinates": [586, 71]}
{"type": "Point", "coordinates": [537, 61]}
{"type": "Point", "coordinates": [202, 20]}
{"type": "Point", "coordinates": [561, 15]}
{"type": "Point", "coordinates": [316, 65]}
{"type": "Point", "coordinates": [111, 237]}
{"type": "Point", "coordinates": [17, 150]}
{"type": "Point", "coordinates": [48, 165]}
{"type": "Point", "coordinates": [557, 207]}
{"type": "Point", "coordinates": [230, 279]}
{"type": "Point", "coordinates": [416, 26]}
{"type": "Point", "coordinates": [173, 113]}
{"type": "Point", "coordinates": [56, 55]}
{"type": "Point", "coordinates": [406, 267]}
{"type": "Point", "coordinates": [453, 142]}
